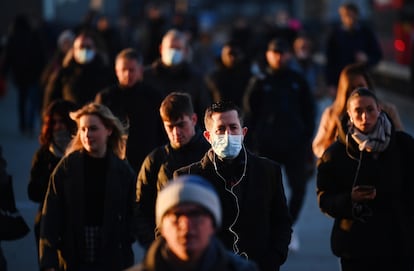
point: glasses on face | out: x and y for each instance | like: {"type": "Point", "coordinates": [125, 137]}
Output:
{"type": "Point", "coordinates": [195, 215]}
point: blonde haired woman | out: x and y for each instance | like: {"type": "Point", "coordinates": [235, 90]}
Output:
{"type": "Point", "coordinates": [87, 214]}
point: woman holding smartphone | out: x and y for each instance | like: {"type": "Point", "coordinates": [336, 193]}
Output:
{"type": "Point", "coordinates": [365, 182]}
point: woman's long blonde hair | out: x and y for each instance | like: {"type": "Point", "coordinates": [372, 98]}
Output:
{"type": "Point", "coordinates": [117, 139]}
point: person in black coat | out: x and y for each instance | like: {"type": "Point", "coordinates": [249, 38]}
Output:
{"type": "Point", "coordinates": [281, 114]}
{"type": "Point", "coordinates": [87, 216]}
{"type": "Point", "coordinates": [136, 104]}
{"type": "Point", "coordinates": [173, 71]}
{"type": "Point", "coordinates": [256, 220]}
{"type": "Point", "coordinates": [85, 72]}
{"type": "Point", "coordinates": [228, 81]}
{"type": "Point", "coordinates": [365, 182]}
{"type": "Point", "coordinates": [24, 59]}
{"type": "Point", "coordinates": [350, 42]}
{"type": "Point", "coordinates": [56, 133]}
{"type": "Point", "coordinates": [186, 145]}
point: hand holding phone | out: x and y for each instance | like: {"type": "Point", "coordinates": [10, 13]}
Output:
{"type": "Point", "coordinates": [361, 193]}
{"type": "Point", "coordinates": [365, 188]}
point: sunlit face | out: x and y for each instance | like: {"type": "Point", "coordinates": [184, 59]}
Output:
{"type": "Point", "coordinates": [93, 135]}
{"type": "Point", "coordinates": [222, 123]}
{"type": "Point", "coordinates": [180, 131]}
{"type": "Point", "coordinates": [128, 71]}
{"type": "Point", "coordinates": [82, 42]}
{"type": "Point", "coordinates": [276, 59]}
{"type": "Point", "coordinates": [348, 17]}
{"type": "Point", "coordinates": [230, 55]}
{"type": "Point", "coordinates": [187, 228]}
{"type": "Point", "coordinates": [363, 112]}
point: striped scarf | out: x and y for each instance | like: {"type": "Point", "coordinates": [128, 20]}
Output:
{"type": "Point", "coordinates": [378, 139]}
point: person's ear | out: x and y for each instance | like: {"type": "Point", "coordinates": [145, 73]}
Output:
{"type": "Point", "coordinates": [206, 135]}
{"type": "Point", "coordinates": [244, 131]}
{"type": "Point", "coordinates": [194, 119]}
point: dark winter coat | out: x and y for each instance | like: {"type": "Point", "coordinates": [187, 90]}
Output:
{"type": "Point", "coordinates": [229, 84]}
{"type": "Point", "coordinates": [342, 46]}
{"type": "Point", "coordinates": [43, 164]}
{"type": "Point", "coordinates": [78, 83]}
{"type": "Point", "coordinates": [215, 258]}
{"type": "Point", "coordinates": [156, 171]}
{"type": "Point", "coordinates": [281, 111]}
{"type": "Point", "coordinates": [62, 225]}
{"type": "Point", "coordinates": [388, 230]}
{"type": "Point", "coordinates": [183, 78]}
{"type": "Point", "coordinates": [138, 108]}
{"type": "Point", "coordinates": [264, 223]}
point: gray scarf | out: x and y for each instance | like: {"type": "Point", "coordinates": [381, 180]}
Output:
{"type": "Point", "coordinates": [378, 139]}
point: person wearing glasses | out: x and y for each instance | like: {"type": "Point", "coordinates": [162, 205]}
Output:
{"type": "Point", "coordinates": [188, 214]}
{"type": "Point", "coordinates": [256, 220]}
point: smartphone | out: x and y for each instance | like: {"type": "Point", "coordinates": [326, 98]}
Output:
{"type": "Point", "coordinates": [366, 188]}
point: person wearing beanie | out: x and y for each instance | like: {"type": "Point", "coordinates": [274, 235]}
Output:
{"type": "Point", "coordinates": [188, 213]}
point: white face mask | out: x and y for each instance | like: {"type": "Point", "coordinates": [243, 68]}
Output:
{"type": "Point", "coordinates": [84, 56]}
{"type": "Point", "coordinates": [227, 146]}
{"type": "Point", "coordinates": [172, 56]}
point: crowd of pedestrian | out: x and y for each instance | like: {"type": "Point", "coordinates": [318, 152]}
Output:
{"type": "Point", "coordinates": [145, 139]}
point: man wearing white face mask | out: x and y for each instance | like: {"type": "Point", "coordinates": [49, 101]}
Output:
{"type": "Point", "coordinates": [84, 72]}
{"type": "Point", "coordinates": [173, 71]}
{"type": "Point", "coordinates": [256, 221]}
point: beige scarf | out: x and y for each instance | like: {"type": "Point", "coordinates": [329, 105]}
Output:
{"type": "Point", "coordinates": [378, 139]}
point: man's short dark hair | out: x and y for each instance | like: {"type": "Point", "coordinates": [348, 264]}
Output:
{"type": "Point", "coordinates": [175, 105]}
{"type": "Point", "coordinates": [220, 107]}
{"type": "Point", "coordinates": [131, 54]}
{"type": "Point", "coordinates": [351, 6]}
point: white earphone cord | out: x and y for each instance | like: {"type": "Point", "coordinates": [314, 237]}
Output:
{"type": "Point", "coordinates": [236, 249]}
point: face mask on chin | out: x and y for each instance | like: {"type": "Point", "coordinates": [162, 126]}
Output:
{"type": "Point", "coordinates": [84, 56]}
{"type": "Point", "coordinates": [171, 57]}
{"type": "Point", "coordinates": [227, 146]}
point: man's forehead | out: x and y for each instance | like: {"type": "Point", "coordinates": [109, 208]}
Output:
{"type": "Point", "coordinates": [227, 117]}
{"type": "Point", "coordinates": [181, 119]}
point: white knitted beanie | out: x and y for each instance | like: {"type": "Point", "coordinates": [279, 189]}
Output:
{"type": "Point", "coordinates": [192, 189]}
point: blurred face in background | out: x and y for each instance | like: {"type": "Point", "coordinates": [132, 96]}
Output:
{"type": "Point", "coordinates": [173, 50]}
{"type": "Point", "coordinates": [230, 56]}
{"type": "Point", "coordinates": [276, 59]}
{"type": "Point", "coordinates": [348, 17]}
{"type": "Point", "coordinates": [302, 48]}
{"type": "Point", "coordinates": [84, 49]}
{"type": "Point", "coordinates": [128, 71]}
